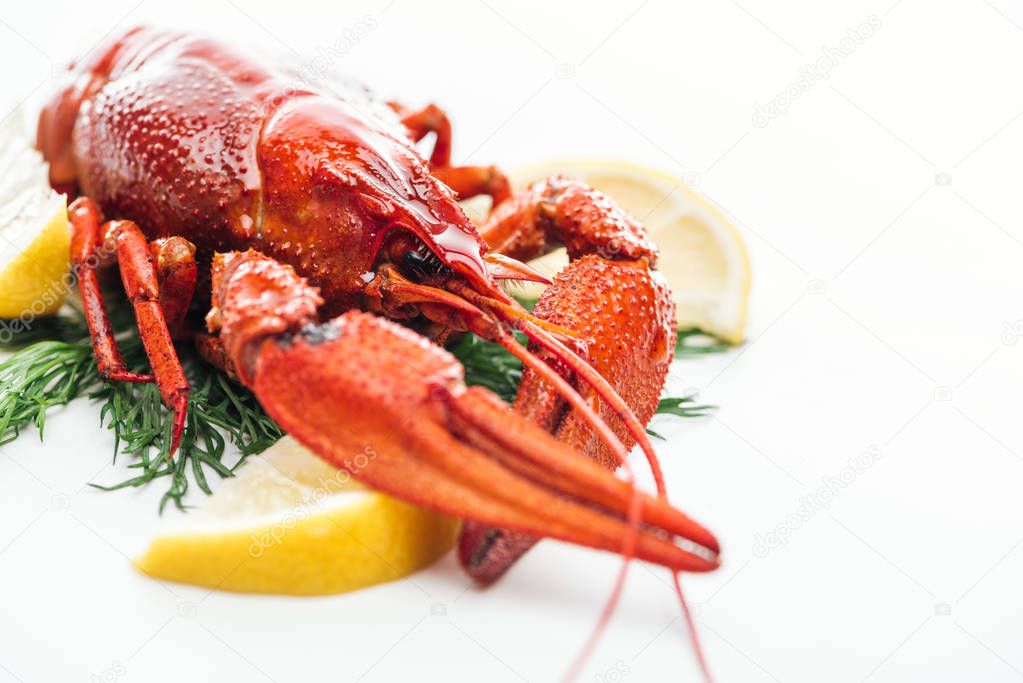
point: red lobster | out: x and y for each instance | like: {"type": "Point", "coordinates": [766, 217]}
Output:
{"type": "Point", "coordinates": [309, 218]}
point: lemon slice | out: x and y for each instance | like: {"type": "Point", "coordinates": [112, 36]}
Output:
{"type": "Point", "coordinates": [703, 256]}
{"type": "Point", "coordinates": [292, 524]}
{"type": "Point", "coordinates": [34, 236]}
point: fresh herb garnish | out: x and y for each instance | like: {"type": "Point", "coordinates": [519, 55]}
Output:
{"type": "Point", "coordinates": [492, 366]}
{"type": "Point", "coordinates": [219, 412]}
{"type": "Point", "coordinates": [52, 364]}
{"type": "Point", "coordinates": [684, 407]}
{"type": "Point", "coordinates": [696, 342]}
{"type": "Point", "coordinates": [43, 374]}
{"type": "Point", "coordinates": [489, 365]}
{"type": "Point", "coordinates": [38, 377]}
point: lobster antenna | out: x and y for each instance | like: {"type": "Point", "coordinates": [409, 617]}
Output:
{"type": "Point", "coordinates": [414, 291]}
{"type": "Point", "coordinates": [605, 617]}
{"type": "Point", "coordinates": [518, 314]}
{"type": "Point", "coordinates": [523, 318]}
{"type": "Point", "coordinates": [628, 550]}
{"type": "Point", "coordinates": [536, 332]}
{"type": "Point", "coordinates": [605, 391]}
{"type": "Point", "coordinates": [618, 450]}
{"type": "Point", "coordinates": [694, 635]}
{"type": "Point", "coordinates": [567, 391]}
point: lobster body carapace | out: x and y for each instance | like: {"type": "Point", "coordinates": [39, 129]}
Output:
{"type": "Point", "coordinates": [187, 138]}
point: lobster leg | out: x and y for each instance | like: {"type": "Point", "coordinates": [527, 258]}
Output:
{"type": "Point", "coordinates": [86, 238]}
{"type": "Point", "coordinates": [211, 348]}
{"type": "Point", "coordinates": [411, 428]}
{"type": "Point", "coordinates": [422, 122]}
{"type": "Point", "coordinates": [176, 272]}
{"type": "Point", "coordinates": [472, 181]}
{"type": "Point", "coordinates": [141, 284]}
{"type": "Point", "coordinates": [466, 181]}
{"type": "Point", "coordinates": [609, 295]}
{"type": "Point", "coordinates": [560, 211]}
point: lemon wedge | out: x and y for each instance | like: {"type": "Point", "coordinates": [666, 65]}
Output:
{"type": "Point", "coordinates": [703, 256]}
{"type": "Point", "coordinates": [35, 240]}
{"type": "Point", "coordinates": [290, 523]}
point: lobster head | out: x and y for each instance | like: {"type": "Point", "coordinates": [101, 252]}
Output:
{"type": "Point", "coordinates": [373, 219]}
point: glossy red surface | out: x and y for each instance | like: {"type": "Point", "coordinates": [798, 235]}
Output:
{"type": "Point", "coordinates": [187, 137]}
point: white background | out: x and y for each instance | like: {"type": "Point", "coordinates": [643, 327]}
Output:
{"type": "Point", "coordinates": [886, 313]}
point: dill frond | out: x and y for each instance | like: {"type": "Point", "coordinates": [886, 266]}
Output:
{"type": "Point", "coordinates": [695, 342]}
{"type": "Point", "coordinates": [52, 364]}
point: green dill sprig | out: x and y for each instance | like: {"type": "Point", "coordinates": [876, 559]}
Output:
{"type": "Point", "coordinates": [492, 366]}
{"type": "Point", "coordinates": [489, 365]}
{"type": "Point", "coordinates": [43, 374]}
{"type": "Point", "coordinates": [219, 412]}
{"type": "Point", "coordinates": [695, 342]}
{"type": "Point", "coordinates": [685, 406]}
{"type": "Point", "coordinates": [38, 377]}
{"type": "Point", "coordinates": [690, 341]}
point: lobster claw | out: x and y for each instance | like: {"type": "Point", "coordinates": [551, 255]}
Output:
{"type": "Point", "coordinates": [377, 400]}
{"type": "Point", "coordinates": [381, 402]}
{"type": "Point", "coordinates": [636, 370]}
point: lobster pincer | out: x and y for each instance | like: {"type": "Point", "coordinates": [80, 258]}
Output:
{"type": "Point", "coordinates": [360, 384]}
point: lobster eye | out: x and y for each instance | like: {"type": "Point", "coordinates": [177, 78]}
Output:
{"type": "Point", "coordinates": [415, 263]}
{"type": "Point", "coordinates": [408, 252]}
